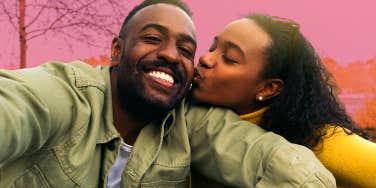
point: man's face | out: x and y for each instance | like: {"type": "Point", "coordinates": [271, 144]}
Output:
{"type": "Point", "coordinates": [156, 65]}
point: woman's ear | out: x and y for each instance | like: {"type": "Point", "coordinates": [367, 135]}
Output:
{"type": "Point", "coordinates": [270, 88]}
{"type": "Point", "coordinates": [116, 49]}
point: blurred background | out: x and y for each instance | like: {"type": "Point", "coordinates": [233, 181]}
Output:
{"type": "Point", "coordinates": [343, 33]}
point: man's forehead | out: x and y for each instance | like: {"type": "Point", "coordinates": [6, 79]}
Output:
{"type": "Point", "coordinates": [169, 16]}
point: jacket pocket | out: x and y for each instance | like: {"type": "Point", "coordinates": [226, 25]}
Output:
{"type": "Point", "coordinates": [32, 177]}
{"type": "Point", "coordinates": [163, 175]}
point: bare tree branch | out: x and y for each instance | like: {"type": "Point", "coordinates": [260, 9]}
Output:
{"type": "Point", "coordinates": [37, 16]}
{"type": "Point", "coordinates": [86, 21]}
{"type": "Point", "coordinates": [44, 30]}
{"type": "Point", "coordinates": [9, 15]}
{"type": "Point", "coordinates": [85, 39]}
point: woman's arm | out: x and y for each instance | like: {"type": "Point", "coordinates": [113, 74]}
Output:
{"type": "Point", "coordinates": [350, 158]}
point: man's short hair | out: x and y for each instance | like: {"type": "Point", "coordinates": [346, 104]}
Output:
{"type": "Point", "coordinates": [147, 3]}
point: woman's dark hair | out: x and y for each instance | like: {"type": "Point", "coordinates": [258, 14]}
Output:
{"type": "Point", "coordinates": [307, 103]}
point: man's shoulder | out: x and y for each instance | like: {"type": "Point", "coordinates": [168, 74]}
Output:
{"type": "Point", "coordinates": [192, 106]}
{"type": "Point", "coordinates": [77, 73]}
{"type": "Point", "coordinates": [296, 165]}
{"type": "Point", "coordinates": [199, 116]}
{"type": "Point", "coordinates": [67, 67]}
{"type": "Point", "coordinates": [197, 112]}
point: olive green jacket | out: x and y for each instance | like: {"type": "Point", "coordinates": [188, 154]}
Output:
{"type": "Point", "coordinates": [56, 130]}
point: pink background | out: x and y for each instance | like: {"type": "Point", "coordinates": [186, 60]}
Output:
{"type": "Point", "coordinates": [342, 30]}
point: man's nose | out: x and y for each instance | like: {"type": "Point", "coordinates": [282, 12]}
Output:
{"type": "Point", "coordinates": [169, 52]}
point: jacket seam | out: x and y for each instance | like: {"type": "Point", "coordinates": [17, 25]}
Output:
{"type": "Point", "coordinates": [272, 154]}
{"type": "Point", "coordinates": [82, 83]}
{"type": "Point", "coordinates": [161, 181]}
{"type": "Point", "coordinates": [319, 178]}
{"type": "Point", "coordinates": [68, 142]}
{"type": "Point", "coordinates": [182, 164]}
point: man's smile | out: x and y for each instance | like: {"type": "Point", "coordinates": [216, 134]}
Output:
{"type": "Point", "coordinates": [163, 78]}
{"type": "Point", "coordinates": [162, 75]}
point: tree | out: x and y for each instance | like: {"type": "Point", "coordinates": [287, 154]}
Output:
{"type": "Point", "coordinates": [367, 116]}
{"type": "Point", "coordinates": [79, 20]}
{"type": "Point", "coordinates": [103, 60]}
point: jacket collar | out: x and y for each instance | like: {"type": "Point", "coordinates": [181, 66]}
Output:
{"type": "Point", "coordinates": [108, 131]}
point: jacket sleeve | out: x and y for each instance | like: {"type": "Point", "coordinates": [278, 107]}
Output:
{"type": "Point", "coordinates": [238, 153]}
{"type": "Point", "coordinates": [33, 110]}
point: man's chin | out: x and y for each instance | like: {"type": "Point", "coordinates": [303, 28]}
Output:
{"type": "Point", "coordinates": [163, 99]}
{"type": "Point", "coordinates": [146, 99]}
{"type": "Point", "coordinates": [163, 103]}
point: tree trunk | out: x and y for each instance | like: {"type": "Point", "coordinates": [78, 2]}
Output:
{"type": "Point", "coordinates": [22, 31]}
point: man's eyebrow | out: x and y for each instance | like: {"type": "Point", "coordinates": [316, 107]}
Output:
{"type": "Point", "coordinates": [158, 27]}
{"type": "Point", "coordinates": [229, 44]}
{"type": "Point", "coordinates": [188, 38]}
{"type": "Point", "coordinates": [165, 31]}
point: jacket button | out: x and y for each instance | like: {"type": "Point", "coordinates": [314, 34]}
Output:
{"type": "Point", "coordinates": [111, 145]}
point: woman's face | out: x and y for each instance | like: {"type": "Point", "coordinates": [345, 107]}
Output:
{"type": "Point", "coordinates": [230, 73]}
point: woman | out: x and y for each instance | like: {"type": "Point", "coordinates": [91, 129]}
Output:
{"type": "Point", "coordinates": [264, 69]}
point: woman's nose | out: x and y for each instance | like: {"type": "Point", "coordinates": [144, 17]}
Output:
{"type": "Point", "coordinates": [207, 61]}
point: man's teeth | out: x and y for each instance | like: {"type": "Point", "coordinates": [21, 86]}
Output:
{"type": "Point", "coordinates": [162, 75]}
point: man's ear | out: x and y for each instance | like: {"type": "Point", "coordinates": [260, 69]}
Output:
{"type": "Point", "coordinates": [270, 88]}
{"type": "Point", "coordinates": [116, 49]}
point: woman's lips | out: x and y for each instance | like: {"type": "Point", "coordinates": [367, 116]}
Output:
{"type": "Point", "coordinates": [197, 75]}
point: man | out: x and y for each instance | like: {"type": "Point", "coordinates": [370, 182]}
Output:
{"type": "Point", "coordinates": [69, 125]}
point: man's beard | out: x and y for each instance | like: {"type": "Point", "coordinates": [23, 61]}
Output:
{"type": "Point", "coordinates": [134, 97]}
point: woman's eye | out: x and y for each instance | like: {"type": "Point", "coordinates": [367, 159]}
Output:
{"type": "Point", "coordinates": [212, 48]}
{"type": "Point", "coordinates": [228, 60]}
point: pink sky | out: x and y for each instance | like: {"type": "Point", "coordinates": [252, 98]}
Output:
{"type": "Point", "coordinates": [343, 30]}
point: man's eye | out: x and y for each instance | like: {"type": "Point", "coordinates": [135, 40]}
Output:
{"type": "Point", "coordinates": [187, 52]}
{"type": "Point", "coordinates": [152, 39]}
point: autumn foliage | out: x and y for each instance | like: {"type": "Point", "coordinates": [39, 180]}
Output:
{"type": "Point", "coordinates": [357, 83]}
{"type": "Point", "coordinates": [103, 60]}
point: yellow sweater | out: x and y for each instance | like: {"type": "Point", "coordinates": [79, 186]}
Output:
{"type": "Point", "coordinates": [350, 158]}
